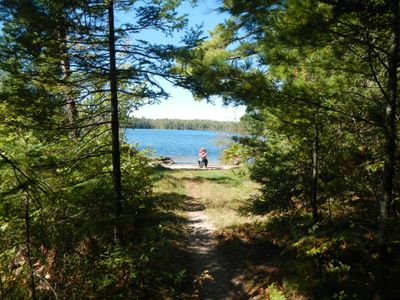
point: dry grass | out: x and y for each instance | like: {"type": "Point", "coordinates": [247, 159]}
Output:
{"type": "Point", "coordinates": [222, 192]}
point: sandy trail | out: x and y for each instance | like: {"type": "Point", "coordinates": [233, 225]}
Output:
{"type": "Point", "coordinates": [212, 271]}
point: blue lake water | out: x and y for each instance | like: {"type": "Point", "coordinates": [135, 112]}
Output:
{"type": "Point", "coordinates": [181, 145]}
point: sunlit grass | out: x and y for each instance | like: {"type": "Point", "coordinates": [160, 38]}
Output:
{"type": "Point", "coordinates": [222, 202]}
{"type": "Point", "coordinates": [222, 192]}
{"type": "Point", "coordinates": [169, 183]}
{"type": "Point", "coordinates": [170, 187]}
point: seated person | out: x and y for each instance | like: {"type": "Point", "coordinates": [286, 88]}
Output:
{"type": "Point", "coordinates": [203, 157]}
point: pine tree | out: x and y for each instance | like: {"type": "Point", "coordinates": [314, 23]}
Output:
{"type": "Point", "coordinates": [59, 141]}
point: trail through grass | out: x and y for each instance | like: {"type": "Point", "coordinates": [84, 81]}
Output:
{"type": "Point", "coordinates": [226, 260]}
{"type": "Point", "coordinates": [221, 192]}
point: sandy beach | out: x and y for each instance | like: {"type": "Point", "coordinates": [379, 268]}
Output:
{"type": "Point", "coordinates": [196, 167]}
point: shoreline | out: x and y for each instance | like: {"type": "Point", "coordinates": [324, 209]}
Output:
{"type": "Point", "coordinates": [196, 167]}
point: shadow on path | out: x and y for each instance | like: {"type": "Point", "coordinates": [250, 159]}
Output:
{"type": "Point", "coordinates": [211, 271]}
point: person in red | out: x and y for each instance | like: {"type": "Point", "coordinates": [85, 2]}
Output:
{"type": "Point", "coordinates": [203, 157]}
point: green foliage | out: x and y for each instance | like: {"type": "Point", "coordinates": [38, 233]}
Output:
{"type": "Point", "coordinates": [275, 294]}
{"type": "Point", "coordinates": [281, 179]}
{"type": "Point", "coordinates": [326, 259]}
{"type": "Point", "coordinates": [236, 153]}
{"type": "Point", "coordinates": [78, 202]}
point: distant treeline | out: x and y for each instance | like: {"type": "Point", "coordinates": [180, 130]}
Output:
{"type": "Point", "coordinates": [226, 126]}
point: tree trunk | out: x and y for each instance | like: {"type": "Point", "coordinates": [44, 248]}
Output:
{"type": "Point", "coordinates": [314, 184]}
{"type": "Point", "coordinates": [389, 129]}
{"type": "Point", "coordinates": [66, 72]}
{"type": "Point", "coordinates": [116, 159]}
{"type": "Point", "coordinates": [71, 105]}
{"type": "Point", "coordinates": [28, 246]}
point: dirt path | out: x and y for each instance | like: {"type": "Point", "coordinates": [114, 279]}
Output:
{"type": "Point", "coordinates": [212, 274]}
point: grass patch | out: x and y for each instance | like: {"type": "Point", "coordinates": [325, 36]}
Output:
{"type": "Point", "coordinates": [222, 192]}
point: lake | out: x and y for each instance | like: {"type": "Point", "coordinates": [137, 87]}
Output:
{"type": "Point", "coordinates": [180, 145]}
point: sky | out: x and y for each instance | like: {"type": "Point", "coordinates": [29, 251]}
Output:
{"type": "Point", "coordinates": [181, 104]}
